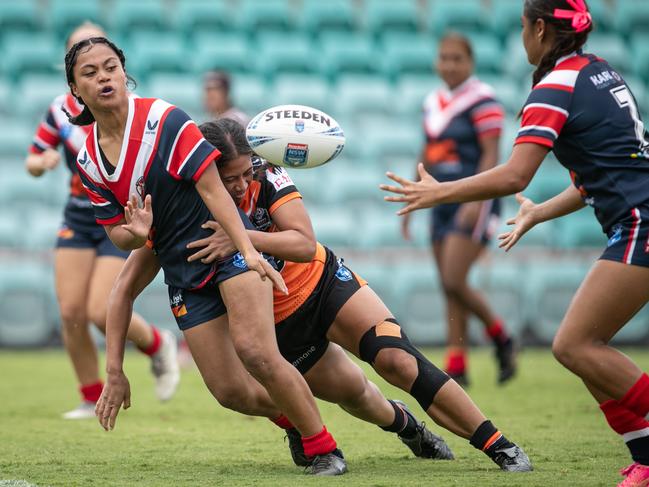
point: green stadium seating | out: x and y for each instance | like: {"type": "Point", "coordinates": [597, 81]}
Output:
{"type": "Point", "coordinates": [332, 16]}
{"type": "Point", "coordinates": [580, 229]}
{"type": "Point", "coordinates": [30, 53]}
{"type": "Point", "coordinates": [130, 17]}
{"type": "Point", "coordinates": [153, 52]}
{"type": "Point", "coordinates": [154, 304]}
{"type": "Point", "coordinates": [310, 90]}
{"type": "Point", "coordinates": [285, 53]}
{"type": "Point", "coordinates": [387, 16]}
{"type": "Point", "coordinates": [379, 276]}
{"type": "Point", "coordinates": [255, 16]}
{"type": "Point", "coordinates": [353, 183]}
{"type": "Point", "coordinates": [64, 16]}
{"type": "Point", "coordinates": [547, 183]}
{"type": "Point", "coordinates": [43, 224]}
{"type": "Point", "coordinates": [362, 94]}
{"type": "Point", "coordinates": [508, 92]}
{"type": "Point", "coordinates": [461, 15]}
{"type": "Point", "coordinates": [602, 15]}
{"type": "Point", "coordinates": [421, 310]}
{"type": "Point", "coordinates": [550, 286]}
{"type": "Point", "coordinates": [639, 90]}
{"type": "Point", "coordinates": [20, 16]}
{"type": "Point", "coordinates": [250, 92]}
{"type": "Point", "coordinates": [193, 16]}
{"type": "Point", "coordinates": [487, 52]}
{"type": "Point", "coordinates": [543, 235]}
{"type": "Point", "coordinates": [333, 225]}
{"type": "Point", "coordinates": [612, 48]}
{"type": "Point", "coordinates": [410, 92]}
{"type": "Point", "coordinates": [181, 90]}
{"type": "Point", "coordinates": [380, 226]}
{"type": "Point", "coordinates": [347, 53]}
{"type": "Point", "coordinates": [228, 51]}
{"type": "Point", "coordinates": [407, 54]}
{"type": "Point", "coordinates": [505, 17]}
{"type": "Point", "coordinates": [631, 17]}
{"type": "Point", "coordinates": [516, 66]}
{"type": "Point", "coordinates": [386, 141]}
{"type": "Point", "coordinates": [37, 93]}
{"type": "Point", "coordinates": [639, 44]}
{"type": "Point", "coordinates": [27, 305]}
{"type": "Point", "coordinates": [15, 138]}
{"type": "Point", "coordinates": [11, 231]}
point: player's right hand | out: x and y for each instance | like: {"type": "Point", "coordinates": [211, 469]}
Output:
{"type": "Point", "coordinates": [523, 222]}
{"type": "Point", "coordinates": [116, 392]}
{"type": "Point", "coordinates": [257, 263]}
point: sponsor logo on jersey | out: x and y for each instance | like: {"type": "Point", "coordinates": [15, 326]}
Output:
{"type": "Point", "coordinates": [303, 357]}
{"type": "Point", "coordinates": [65, 233]}
{"type": "Point", "coordinates": [261, 219]}
{"type": "Point", "coordinates": [299, 126]}
{"type": "Point", "coordinates": [238, 261]}
{"type": "Point", "coordinates": [84, 159]}
{"type": "Point", "coordinates": [296, 155]}
{"type": "Point", "coordinates": [343, 274]}
{"type": "Point", "coordinates": [177, 304]}
{"type": "Point", "coordinates": [616, 236]}
{"type": "Point", "coordinates": [151, 126]}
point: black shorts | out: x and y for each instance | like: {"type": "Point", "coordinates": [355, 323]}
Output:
{"type": "Point", "coordinates": [192, 307]}
{"type": "Point", "coordinates": [444, 222]}
{"type": "Point", "coordinates": [302, 337]}
{"type": "Point", "coordinates": [628, 239]}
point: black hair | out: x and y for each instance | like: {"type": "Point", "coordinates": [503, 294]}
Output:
{"type": "Point", "coordinates": [461, 39]}
{"type": "Point", "coordinates": [229, 137]}
{"type": "Point", "coordinates": [86, 24]}
{"type": "Point", "coordinates": [567, 39]}
{"type": "Point", "coordinates": [86, 117]}
{"type": "Point", "coordinates": [219, 78]}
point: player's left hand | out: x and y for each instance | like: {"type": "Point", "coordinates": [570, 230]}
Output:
{"type": "Point", "coordinates": [116, 392]}
{"type": "Point", "coordinates": [215, 247]}
{"type": "Point", "coordinates": [138, 220]}
{"type": "Point", "coordinates": [256, 262]}
{"type": "Point", "coordinates": [417, 195]}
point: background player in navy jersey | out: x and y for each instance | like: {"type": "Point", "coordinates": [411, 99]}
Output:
{"type": "Point", "coordinates": [582, 109]}
{"type": "Point", "coordinates": [462, 125]}
{"type": "Point", "coordinates": [86, 262]}
{"type": "Point", "coordinates": [326, 301]}
{"type": "Point", "coordinates": [151, 177]}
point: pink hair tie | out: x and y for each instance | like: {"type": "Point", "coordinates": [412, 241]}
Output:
{"type": "Point", "coordinates": [580, 16]}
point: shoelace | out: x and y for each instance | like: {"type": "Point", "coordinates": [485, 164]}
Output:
{"type": "Point", "coordinates": [323, 461]}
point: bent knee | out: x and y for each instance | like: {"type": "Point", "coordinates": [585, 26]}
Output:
{"type": "Point", "coordinates": [73, 317]}
{"type": "Point", "coordinates": [394, 361]}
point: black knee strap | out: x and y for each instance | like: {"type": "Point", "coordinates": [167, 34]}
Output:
{"type": "Point", "coordinates": [388, 334]}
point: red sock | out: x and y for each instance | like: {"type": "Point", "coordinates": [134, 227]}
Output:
{"type": "Point", "coordinates": [91, 392]}
{"type": "Point", "coordinates": [637, 398]}
{"type": "Point", "coordinates": [283, 422]}
{"type": "Point", "coordinates": [496, 331]}
{"type": "Point", "coordinates": [620, 419]}
{"type": "Point", "coordinates": [456, 361]}
{"type": "Point", "coordinates": [318, 444]}
{"type": "Point", "coordinates": [155, 344]}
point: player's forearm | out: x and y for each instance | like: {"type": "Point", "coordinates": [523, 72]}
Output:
{"type": "Point", "coordinates": [566, 202]}
{"type": "Point", "coordinates": [494, 183]}
{"type": "Point", "coordinates": [34, 165]}
{"type": "Point", "coordinates": [123, 239]}
{"type": "Point", "coordinates": [287, 245]}
{"type": "Point", "coordinates": [118, 318]}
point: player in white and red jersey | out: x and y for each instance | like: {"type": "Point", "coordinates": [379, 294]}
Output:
{"type": "Point", "coordinates": [462, 124]}
{"type": "Point", "coordinates": [151, 177]}
{"type": "Point", "coordinates": [583, 110]}
{"type": "Point", "coordinates": [86, 262]}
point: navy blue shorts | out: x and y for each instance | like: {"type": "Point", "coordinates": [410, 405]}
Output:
{"type": "Point", "coordinates": [444, 222]}
{"type": "Point", "coordinates": [628, 239]}
{"type": "Point", "coordinates": [192, 307]}
{"type": "Point", "coordinates": [302, 337]}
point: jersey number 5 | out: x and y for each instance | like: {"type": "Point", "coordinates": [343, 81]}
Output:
{"type": "Point", "coordinates": [625, 99]}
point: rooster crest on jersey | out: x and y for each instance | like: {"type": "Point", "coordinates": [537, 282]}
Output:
{"type": "Point", "coordinates": [295, 136]}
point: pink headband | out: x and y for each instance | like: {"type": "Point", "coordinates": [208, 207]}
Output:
{"type": "Point", "coordinates": [580, 16]}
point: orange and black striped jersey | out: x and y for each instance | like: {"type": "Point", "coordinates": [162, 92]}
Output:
{"type": "Point", "coordinates": [271, 189]}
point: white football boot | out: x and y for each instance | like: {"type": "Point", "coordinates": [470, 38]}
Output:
{"type": "Point", "coordinates": [164, 367]}
{"type": "Point", "coordinates": [85, 410]}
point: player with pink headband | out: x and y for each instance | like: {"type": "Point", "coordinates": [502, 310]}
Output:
{"type": "Point", "coordinates": [582, 109]}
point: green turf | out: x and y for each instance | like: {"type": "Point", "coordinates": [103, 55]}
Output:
{"type": "Point", "coordinates": [192, 441]}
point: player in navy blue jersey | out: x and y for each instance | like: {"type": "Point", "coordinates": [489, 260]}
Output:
{"type": "Point", "coordinates": [582, 109]}
{"type": "Point", "coordinates": [86, 262]}
{"type": "Point", "coordinates": [152, 180]}
{"type": "Point", "coordinates": [462, 125]}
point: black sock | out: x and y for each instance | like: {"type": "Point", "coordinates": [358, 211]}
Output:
{"type": "Point", "coordinates": [404, 424]}
{"type": "Point", "coordinates": [487, 434]}
{"type": "Point", "coordinates": [639, 449]}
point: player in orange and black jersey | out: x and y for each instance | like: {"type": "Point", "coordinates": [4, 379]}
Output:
{"type": "Point", "coordinates": [330, 308]}
{"type": "Point", "coordinates": [86, 261]}
{"type": "Point", "coordinates": [462, 125]}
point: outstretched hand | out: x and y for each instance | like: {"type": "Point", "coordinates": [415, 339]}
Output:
{"type": "Point", "coordinates": [116, 392]}
{"type": "Point", "coordinates": [257, 263]}
{"type": "Point", "coordinates": [417, 195]}
{"type": "Point", "coordinates": [138, 220]}
{"type": "Point", "coordinates": [523, 222]}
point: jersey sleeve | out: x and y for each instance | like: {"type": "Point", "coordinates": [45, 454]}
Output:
{"type": "Point", "coordinates": [189, 153]}
{"type": "Point", "coordinates": [488, 116]}
{"type": "Point", "coordinates": [546, 110]}
{"type": "Point", "coordinates": [47, 135]}
{"type": "Point", "coordinates": [279, 189]}
{"type": "Point", "coordinates": [108, 210]}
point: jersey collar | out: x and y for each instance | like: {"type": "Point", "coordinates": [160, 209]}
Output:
{"type": "Point", "coordinates": [122, 153]}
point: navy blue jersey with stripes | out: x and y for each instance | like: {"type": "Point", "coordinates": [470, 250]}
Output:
{"type": "Point", "coordinates": [163, 155]}
{"type": "Point", "coordinates": [584, 111]}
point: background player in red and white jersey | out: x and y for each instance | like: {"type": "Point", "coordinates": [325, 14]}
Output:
{"type": "Point", "coordinates": [462, 124]}
{"type": "Point", "coordinates": [86, 261]}
{"type": "Point", "coordinates": [151, 177]}
{"type": "Point", "coordinates": [583, 110]}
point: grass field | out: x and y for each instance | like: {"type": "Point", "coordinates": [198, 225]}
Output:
{"type": "Point", "coordinates": [192, 441]}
